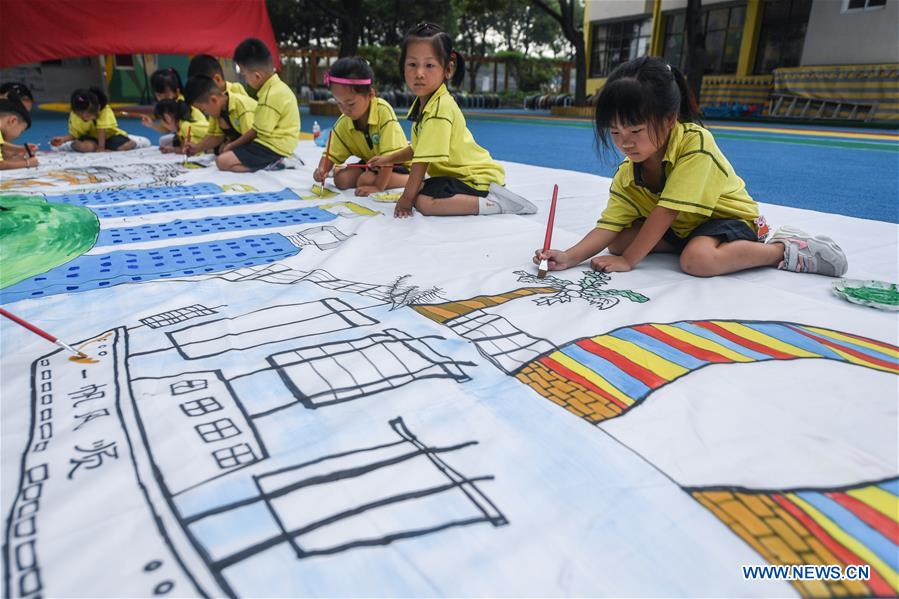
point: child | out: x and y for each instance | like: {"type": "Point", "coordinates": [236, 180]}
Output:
{"type": "Point", "coordinates": [166, 84]}
{"type": "Point", "coordinates": [464, 178]}
{"type": "Point", "coordinates": [177, 117]}
{"type": "Point", "coordinates": [20, 93]}
{"type": "Point", "coordinates": [676, 192]}
{"type": "Point", "coordinates": [14, 119]}
{"type": "Point", "coordinates": [204, 65]}
{"type": "Point", "coordinates": [230, 115]}
{"type": "Point", "coordinates": [367, 128]}
{"type": "Point", "coordinates": [276, 121]}
{"type": "Point", "coordinates": [92, 125]}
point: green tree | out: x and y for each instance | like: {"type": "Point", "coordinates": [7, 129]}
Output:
{"type": "Point", "coordinates": [566, 13]}
{"type": "Point", "coordinates": [524, 26]}
{"type": "Point", "coordinates": [532, 73]}
{"type": "Point", "coordinates": [477, 19]}
{"type": "Point", "coordinates": [301, 25]}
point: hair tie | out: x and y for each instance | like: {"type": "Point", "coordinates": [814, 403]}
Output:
{"type": "Point", "coordinates": [669, 66]}
{"type": "Point", "coordinates": [329, 79]}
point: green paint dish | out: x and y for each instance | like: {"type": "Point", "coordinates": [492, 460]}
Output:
{"type": "Point", "coordinates": [874, 294]}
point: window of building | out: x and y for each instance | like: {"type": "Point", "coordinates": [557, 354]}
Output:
{"type": "Point", "coordinates": [199, 407]}
{"type": "Point", "coordinates": [616, 43]}
{"type": "Point", "coordinates": [782, 34]}
{"type": "Point", "coordinates": [217, 430]}
{"type": "Point", "coordinates": [859, 5]}
{"type": "Point", "coordinates": [723, 29]}
{"type": "Point", "coordinates": [237, 455]}
{"type": "Point", "coordinates": [182, 387]}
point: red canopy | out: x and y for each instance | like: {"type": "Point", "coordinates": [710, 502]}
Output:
{"type": "Point", "coordinates": [35, 30]}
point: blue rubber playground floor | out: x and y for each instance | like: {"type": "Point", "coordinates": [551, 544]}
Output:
{"type": "Point", "coordinates": [854, 172]}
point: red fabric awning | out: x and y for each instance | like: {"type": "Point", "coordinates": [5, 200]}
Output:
{"type": "Point", "coordinates": [35, 30]}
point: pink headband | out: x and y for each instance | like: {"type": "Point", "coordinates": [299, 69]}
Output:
{"type": "Point", "coordinates": [329, 79]}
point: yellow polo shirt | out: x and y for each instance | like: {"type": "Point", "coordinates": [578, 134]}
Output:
{"type": "Point", "coordinates": [277, 116]}
{"type": "Point", "coordinates": [240, 113]}
{"type": "Point", "coordinates": [198, 130]}
{"type": "Point", "coordinates": [442, 140]}
{"type": "Point", "coordinates": [195, 113]}
{"type": "Point", "coordinates": [383, 134]}
{"type": "Point", "coordinates": [235, 89]}
{"type": "Point", "coordinates": [699, 183]}
{"type": "Point", "coordinates": [79, 128]}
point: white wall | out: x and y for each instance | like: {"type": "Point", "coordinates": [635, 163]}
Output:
{"type": "Point", "coordinates": [857, 37]}
{"type": "Point", "coordinates": [600, 10]}
{"type": "Point", "coordinates": [55, 83]}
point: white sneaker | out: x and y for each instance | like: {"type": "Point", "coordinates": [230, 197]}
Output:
{"type": "Point", "coordinates": [806, 253]}
{"type": "Point", "coordinates": [140, 141]}
{"type": "Point", "coordinates": [508, 202]}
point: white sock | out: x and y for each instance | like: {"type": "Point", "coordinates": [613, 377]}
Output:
{"type": "Point", "coordinates": [487, 206]}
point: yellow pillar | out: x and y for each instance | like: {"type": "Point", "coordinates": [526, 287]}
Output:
{"type": "Point", "coordinates": [750, 39]}
{"type": "Point", "coordinates": [657, 40]}
{"type": "Point", "coordinates": [588, 50]}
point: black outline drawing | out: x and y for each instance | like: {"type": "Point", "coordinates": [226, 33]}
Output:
{"type": "Point", "coordinates": [317, 236]}
{"type": "Point", "coordinates": [587, 289]}
{"type": "Point", "coordinates": [279, 274]}
{"type": "Point", "coordinates": [401, 294]}
{"type": "Point", "coordinates": [170, 317]}
{"type": "Point", "coordinates": [46, 391]}
{"type": "Point", "coordinates": [502, 343]}
{"type": "Point", "coordinates": [202, 394]}
{"type": "Point", "coordinates": [310, 480]}
{"type": "Point", "coordinates": [315, 390]}
{"type": "Point", "coordinates": [183, 339]}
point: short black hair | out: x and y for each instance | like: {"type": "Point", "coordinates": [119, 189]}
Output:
{"type": "Point", "coordinates": [252, 53]}
{"type": "Point", "coordinates": [198, 89]}
{"type": "Point", "coordinates": [178, 109]}
{"type": "Point", "coordinates": [19, 89]}
{"type": "Point", "coordinates": [92, 99]}
{"type": "Point", "coordinates": [353, 67]}
{"type": "Point", "coordinates": [644, 90]}
{"type": "Point", "coordinates": [163, 80]}
{"type": "Point", "coordinates": [15, 107]}
{"type": "Point", "coordinates": [204, 65]}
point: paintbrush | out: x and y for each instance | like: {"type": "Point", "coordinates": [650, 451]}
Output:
{"type": "Point", "coordinates": [327, 165]}
{"type": "Point", "coordinates": [186, 144]}
{"type": "Point", "coordinates": [544, 263]}
{"type": "Point", "coordinates": [42, 333]}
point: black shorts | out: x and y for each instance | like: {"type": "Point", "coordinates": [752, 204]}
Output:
{"type": "Point", "coordinates": [447, 187]}
{"type": "Point", "coordinates": [112, 143]}
{"type": "Point", "coordinates": [256, 156]}
{"type": "Point", "coordinates": [724, 229]}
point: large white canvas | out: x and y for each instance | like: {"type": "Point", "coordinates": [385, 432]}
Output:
{"type": "Point", "coordinates": [302, 427]}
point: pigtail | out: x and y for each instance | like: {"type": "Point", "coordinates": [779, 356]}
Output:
{"type": "Point", "coordinates": [459, 73]}
{"type": "Point", "coordinates": [688, 111]}
{"type": "Point", "coordinates": [184, 112]}
{"type": "Point", "coordinates": [102, 100]}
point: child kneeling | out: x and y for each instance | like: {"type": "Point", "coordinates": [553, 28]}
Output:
{"type": "Point", "coordinates": [464, 179]}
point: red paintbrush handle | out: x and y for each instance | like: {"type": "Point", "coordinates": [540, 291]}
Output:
{"type": "Point", "coordinates": [28, 326]}
{"type": "Point", "coordinates": [552, 216]}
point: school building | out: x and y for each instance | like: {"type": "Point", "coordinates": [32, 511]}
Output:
{"type": "Point", "coordinates": [795, 58]}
